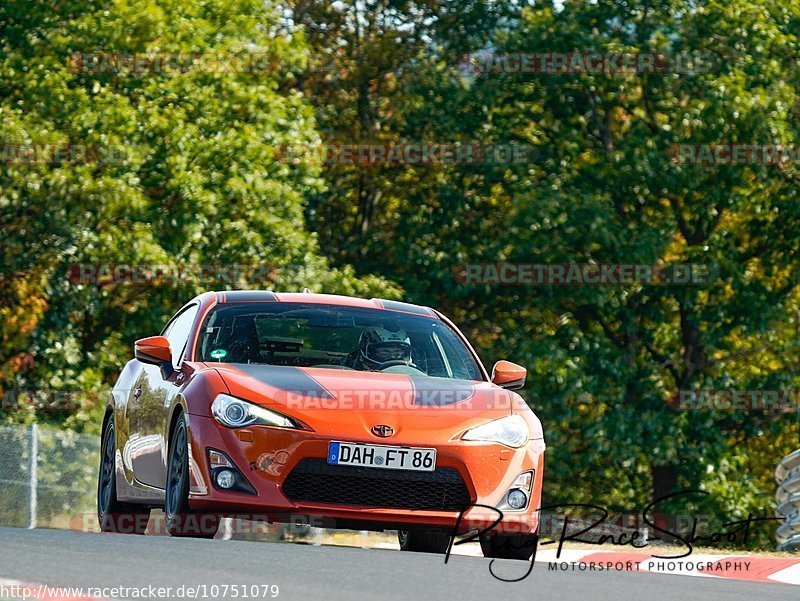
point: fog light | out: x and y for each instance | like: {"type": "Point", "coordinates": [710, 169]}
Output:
{"type": "Point", "coordinates": [226, 479]}
{"type": "Point", "coordinates": [517, 499]}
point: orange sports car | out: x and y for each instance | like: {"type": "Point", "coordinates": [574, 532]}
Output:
{"type": "Point", "coordinates": [328, 410]}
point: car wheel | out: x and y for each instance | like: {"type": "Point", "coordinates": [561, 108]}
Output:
{"type": "Point", "coordinates": [180, 520]}
{"type": "Point", "coordinates": [424, 540]}
{"type": "Point", "coordinates": [509, 546]}
{"type": "Point", "coordinates": [113, 516]}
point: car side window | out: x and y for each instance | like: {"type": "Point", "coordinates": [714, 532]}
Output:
{"type": "Point", "coordinates": [177, 332]}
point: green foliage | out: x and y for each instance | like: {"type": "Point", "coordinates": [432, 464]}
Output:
{"type": "Point", "coordinates": [195, 180]}
{"type": "Point", "coordinates": [605, 361]}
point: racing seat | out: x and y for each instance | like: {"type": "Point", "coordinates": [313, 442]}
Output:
{"type": "Point", "coordinates": [243, 344]}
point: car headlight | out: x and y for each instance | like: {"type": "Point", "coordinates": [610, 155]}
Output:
{"type": "Point", "coordinates": [236, 413]}
{"type": "Point", "coordinates": [511, 431]}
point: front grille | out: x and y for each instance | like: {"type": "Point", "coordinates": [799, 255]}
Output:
{"type": "Point", "coordinates": [313, 480]}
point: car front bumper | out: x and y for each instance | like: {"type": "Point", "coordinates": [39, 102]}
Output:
{"type": "Point", "coordinates": [265, 456]}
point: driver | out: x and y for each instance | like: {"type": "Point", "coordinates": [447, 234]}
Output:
{"type": "Point", "coordinates": [379, 348]}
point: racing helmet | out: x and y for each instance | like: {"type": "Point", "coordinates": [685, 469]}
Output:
{"type": "Point", "coordinates": [378, 346]}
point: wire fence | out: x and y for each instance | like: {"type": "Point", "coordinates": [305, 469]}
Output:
{"type": "Point", "coordinates": [48, 479]}
{"type": "Point", "coordinates": [47, 476]}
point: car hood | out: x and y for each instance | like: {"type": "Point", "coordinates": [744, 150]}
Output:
{"type": "Point", "coordinates": [332, 400]}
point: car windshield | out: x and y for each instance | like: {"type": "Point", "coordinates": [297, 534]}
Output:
{"type": "Point", "coordinates": [335, 337]}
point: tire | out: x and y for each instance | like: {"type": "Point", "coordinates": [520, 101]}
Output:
{"type": "Point", "coordinates": [424, 540]}
{"type": "Point", "coordinates": [113, 516]}
{"type": "Point", "coordinates": [509, 546]}
{"type": "Point", "coordinates": [180, 520]}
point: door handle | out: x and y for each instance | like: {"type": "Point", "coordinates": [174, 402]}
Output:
{"type": "Point", "coordinates": [137, 393]}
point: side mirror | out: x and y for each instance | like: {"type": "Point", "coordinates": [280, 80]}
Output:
{"type": "Point", "coordinates": [508, 375]}
{"type": "Point", "coordinates": [154, 350]}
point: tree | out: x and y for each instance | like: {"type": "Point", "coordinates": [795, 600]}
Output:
{"type": "Point", "coordinates": [378, 73]}
{"type": "Point", "coordinates": [608, 361]}
{"type": "Point", "coordinates": [178, 164]}
{"type": "Point", "coordinates": [608, 191]}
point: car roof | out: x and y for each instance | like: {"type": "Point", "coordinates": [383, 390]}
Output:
{"type": "Point", "coordinates": [237, 296]}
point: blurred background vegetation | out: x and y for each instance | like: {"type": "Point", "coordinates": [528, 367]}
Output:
{"type": "Point", "coordinates": [200, 180]}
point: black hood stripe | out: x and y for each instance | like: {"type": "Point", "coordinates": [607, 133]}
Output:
{"type": "Point", "coordinates": [290, 379]}
{"type": "Point", "coordinates": [440, 392]}
{"type": "Point", "coordinates": [426, 391]}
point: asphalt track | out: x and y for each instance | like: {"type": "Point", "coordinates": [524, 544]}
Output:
{"type": "Point", "coordinates": [307, 572]}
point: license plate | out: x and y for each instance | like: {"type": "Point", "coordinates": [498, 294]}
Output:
{"type": "Point", "coordinates": [381, 456]}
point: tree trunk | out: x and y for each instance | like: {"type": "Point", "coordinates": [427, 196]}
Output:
{"type": "Point", "coordinates": [665, 481]}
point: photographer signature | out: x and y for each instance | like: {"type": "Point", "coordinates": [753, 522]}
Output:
{"type": "Point", "coordinates": [736, 531]}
